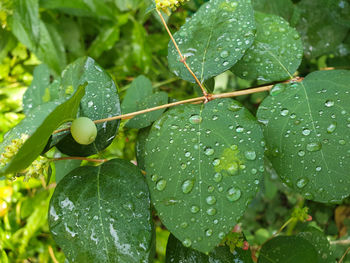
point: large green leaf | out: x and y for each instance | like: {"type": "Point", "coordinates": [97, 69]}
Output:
{"type": "Point", "coordinates": [204, 164]}
{"type": "Point", "coordinates": [275, 54]}
{"type": "Point", "coordinates": [100, 101]}
{"type": "Point", "coordinates": [320, 242]}
{"type": "Point", "coordinates": [39, 125]}
{"type": "Point", "coordinates": [320, 33]}
{"type": "Point", "coordinates": [176, 252]}
{"type": "Point", "coordinates": [306, 127]}
{"type": "Point", "coordinates": [214, 39]}
{"type": "Point", "coordinates": [283, 8]}
{"type": "Point", "coordinates": [38, 92]}
{"type": "Point", "coordinates": [102, 214]}
{"type": "Point", "coordinates": [139, 96]}
{"type": "Point", "coordinates": [288, 249]}
{"type": "Point", "coordinates": [340, 11]}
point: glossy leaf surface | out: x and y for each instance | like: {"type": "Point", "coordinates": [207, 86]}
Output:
{"type": "Point", "coordinates": [275, 54]}
{"type": "Point", "coordinates": [100, 101]}
{"type": "Point", "coordinates": [203, 164]}
{"type": "Point", "coordinates": [287, 249]}
{"type": "Point", "coordinates": [214, 39]}
{"type": "Point", "coordinates": [306, 127]}
{"type": "Point", "coordinates": [176, 252]}
{"type": "Point", "coordinates": [102, 214]}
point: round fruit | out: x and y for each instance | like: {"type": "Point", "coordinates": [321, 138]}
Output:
{"type": "Point", "coordinates": [83, 130]}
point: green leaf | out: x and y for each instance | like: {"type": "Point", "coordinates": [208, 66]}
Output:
{"type": "Point", "coordinates": [275, 54]}
{"type": "Point", "coordinates": [287, 249]}
{"type": "Point", "coordinates": [320, 33]}
{"type": "Point", "coordinates": [39, 125]}
{"type": "Point", "coordinates": [306, 127]}
{"type": "Point", "coordinates": [203, 164]}
{"type": "Point", "coordinates": [63, 167]}
{"type": "Point", "coordinates": [139, 97]}
{"type": "Point", "coordinates": [283, 8]}
{"type": "Point", "coordinates": [100, 101]}
{"type": "Point", "coordinates": [86, 8]}
{"type": "Point", "coordinates": [140, 146]}
{"type": "Point", "coordinates": [340, 11]}
{"type": "Point", "coordinates": [214, 39]}
{"type": "Point", "coordinates": [176, 252]}
{"type": "Point", "coordinates": [321, 244]}
{"type": "Point", "coordinates": [38, 92]}
{"type": "Point", "coordinates": [102, 214]}
{"type": "Point", "coordinates": [104, 41]}
{"type": "Point", "coordinates": [7, 43]}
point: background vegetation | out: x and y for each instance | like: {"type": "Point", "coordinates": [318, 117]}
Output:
{"type": "Point", "coordinates": [127, 42]}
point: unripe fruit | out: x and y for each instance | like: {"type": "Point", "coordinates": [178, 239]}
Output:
{"type": "Point", "coordinates": [83, 130]}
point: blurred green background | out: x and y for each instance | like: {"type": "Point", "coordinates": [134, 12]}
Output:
{"type": "Point", "coordinates": [127, 42]}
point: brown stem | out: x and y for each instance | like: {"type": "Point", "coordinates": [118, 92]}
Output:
{"type": "Point", "coordinates": [193, 100]}
{"type": "Point", "coordinates": [183, 59]}
{"type": "Point", "coordinates": [79, 158]}
{"type": "Point", "coordinates": [340, 242]}
{"type": "Point", "coordinates": [346, 252]}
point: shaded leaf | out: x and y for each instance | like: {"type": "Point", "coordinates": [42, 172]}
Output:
{"type": "Point", "coordinates": [104, 41]}
{"type": "Point", "coordinates": [100, 101]}
{"type": "Point", "coordinates": [201, 160]}
{"type": "Point", "coordinates": [102, 214]}
{"type": "Point", "coordinates": [214, 39]}
{"type": "Point", "coordinates": [275, 54]}
{"type": "Point", "coordinates": [320, 33]}
{"type": "Point", "coordinates": [321, 244]}
{"type": "Point", "coordinates": [287, 249]}
{"type": "Point", "coordinates": [306, 126]}
{"type": "Point", "coordinates": [176, 252]}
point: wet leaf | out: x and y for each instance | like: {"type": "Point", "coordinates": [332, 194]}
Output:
{"type": "Point", "coordinates": [306, 127]}
{"type": "Point", "coordinates": [100, 101]}
{"type": "Point", "coordinates": [275, 54]}
{"type": "Point", "coordinates": [321, 244]}
{"type": "Point", "coordinates": [203, 164]}
{"type": "Point", "coordinates": [214, 39]}
{"type": "Point", "coordinates": [93, 218]}
{"type": "Point", "coordinates": [288, 249]}
{"type": "Point", "coordinates": [176, 252]}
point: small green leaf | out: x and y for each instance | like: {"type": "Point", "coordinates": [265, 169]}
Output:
{"type": "Point", "coordinates": [320, 33]}
{"type": "Point", "coordinates": [102, 214]}
{"type": "Point", "coordinates": [176, 252]}
{"type": "Point", "coordinates": [321, 244]}
{"type": "Point", "coordinates": [201, 160]}
{"type": "Point", "coordinates": [306, 127]}
{"type": "Point", "coordinates": [287, 249]}
{"type": "Point", "coordinates": [139, 97]}
{"type": "Point", "coordinates": [275, 54]}
{"type": "Point", "coordinates": [100, 101]}
{"type": "Point", "coordinates": [38, 92]}
{"type": "Point", "coordinates": [214, 39]}
{"type": "Point", "coordinates": [104, 41]}
{"type": "Point", "coordinates": [39, 125]}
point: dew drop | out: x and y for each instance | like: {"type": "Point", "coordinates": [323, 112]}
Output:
{"type": "Point", "coordinates": [284, 112]}
{"type": "Point", "coordinates": [301, 183]}
{"type": "Point", "coordinates": [331, 128]}
{"type": "Point", "coordinates": [306, 132]}
{"type": "Point", "coordinates": [233, 168]}
{"type": "Point", "coordinates": [301, 153]}
{"type": "Point", "coordinates": [209, 151]}
{"type": "Point", "coordinates": [313, 146]}
{"type": "Point", "coordinates": [217, 177]}
{"type": "Point", "coordinates": [250, 155]}
{"type": "Point", "coordinates": [161, 184]}
{"type": "Point", "coordinates": [194, 209]}
{"type": "Point", "coordinates": [187, 242]}
{"type": "Point", "coordinates": [224, 54]}
{"type": "Point", "coordinates": [195, 119]}
{"type": "Point", "coordinates": [209, 232]}
{"type": "Point", "coordinates": [210, 200]}
{"type": "Point", "coordinates": [211, 211]}
{"type": "Point", "coordinates": [187, 186]}
{"type": "Point", "coordinates": [239, 129]}
{"type": "Point", "coordinates": [233, 194]}
{"type": "Point", "coordinates": [329, 103]}
{"type": "Point", "coordinates": [216, 162]}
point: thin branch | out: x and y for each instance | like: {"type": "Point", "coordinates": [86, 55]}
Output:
{"type": "Point", "coordinates": [193, 100]}
{"type": "Point", "coordinates": [340, 242]}
{"type": "Point", "coordinates": [343, 257]}
{"type": "Point", "coordinates": [183, 59]}
{"type": "Point", "coordinates": [52, 255]}
{"type": "Point", "coordinates": [79, 158]}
